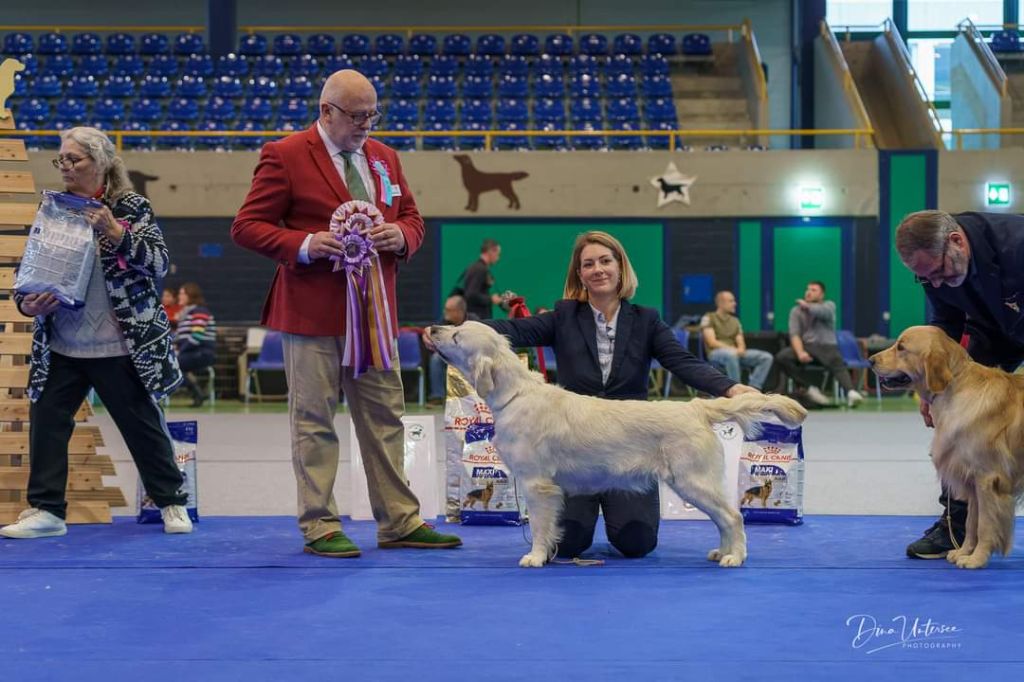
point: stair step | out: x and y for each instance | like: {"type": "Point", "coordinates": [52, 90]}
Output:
{"type": "Point", "coordinates": [711, 106]}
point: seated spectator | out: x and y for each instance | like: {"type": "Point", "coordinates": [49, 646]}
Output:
{"type": "Point", "coordinates": [727, 349]}
{"type": "Point", "coordinates": [812, 336]}
{"type": "Point", "coordinates": [195, 338]}
{"type": "Point", "coordinates": [169, 300]}
{"type": "Point", "coordinates": [454, 314]}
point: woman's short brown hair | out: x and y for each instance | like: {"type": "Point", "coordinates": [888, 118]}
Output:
{"type": "Point", "coordinates": [574, 288]}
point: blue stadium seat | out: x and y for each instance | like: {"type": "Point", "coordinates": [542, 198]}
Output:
{"type": "Point", "coordinates": [696, 45]}
{"type": "Point", "coordinates": [20, 86]}
{"type": "Point", "coordinates": [593, 44]}
{"type": "Point", "coordinates": [263, 86]}
{"type": "Point", "coordinates": [550, 64]}
{"type": "Point", "coordinates": [118, 86]}
{"type": "Point", "coordinates": [405, 110]}
{"type": "Point", "coordinates": [93, 65]}
{"type": "Point", "coordinates": [660, 141]}
{"type": "Point", "coordinates": [559, 44]}
{"type": "Point", "coordinates": [47, 85]}
{"type": "Point", "coordinates": [373, 65]}
{"type": "Point", "coordinates": [86, 43]}
{"type": "Point", "coordinates": [472, 142]}
{"type": "Point", "coordinates": [258, 109]}
{"type": "Point", "coordinates": [440, 87]}
{"type": "Point", "coordinates": [389, 44]}
{"type": "Point", "coordinates": [586, 63]}
{"type": "Point", "coordinates": [37, 141]}
{"type": "Point", "coordinates": [588, 142]}
{"type": "Point", "coordinates": [228, 87]}
{"type": "Point", "coordinates": [409, 65]}
{"type": "Point", "coordinates": [477, 111]}
{"type": "Point", "coordinates": [624, 109]}
{"type": "Point", "coordinates": [17, 44]}
{"type": "Point", "coordinates": [548, 85]}
{"type": "Point", "coordinates": [71, 109]}
{"type": "Point", "coordinates": [440, 143]}
{"type": "Point", "coordinates": [181, 143]}
{"type": "Point", "coordinates": [31, 64]}
{"type": "Point", "coordinates": [320, 45]}
{"type": "Point", "coordinates": [186, 44]}
{"type": "Point", "coordinates": [182, 109]}
{"type": "Point", "coordinates": [253, 45]}
{"type": "Point", "coordinates": [299, 86]}
{"type": "Point", "coordinates": [655, 86]}
{"type": "Point", "coordinates": [83, 86]}
{"type": "Point", "coordinates": [129, 65]}
{"type": "Point", "coordinates": [288, 126]}
{"type": "Point", "coordinates": [219, 109]}
{"type": "Point", "coordinates": [661, 43]}
{"type": "Point", "coordinates": [654, 65]}
{"type": "Point", "coordinates": [442, 110]}
{"type": "Point", "coordinates": [109, 111]}
{"type": "Point", "coordinates": [247, 142]}
{"type": "Point", "coordinates": [658, 109]}
{"type": "Point", "coordinates": [620, 63]}
{"type": "Point", "coordinates": [154, 43]}
{"type": "Point", "coordinates": [52, 43]}
{"type": "Point", "coordinates": [141, 142]}
{"type": "Point", "coordinates": [514, 64]}
{"type": "Point", "coordinates": [120, 43]}
{"type": "Point", "coordinates": [586, 110]}
{"type": "Point", "coordinates": [302, 65]}
{"type": "Point", "coordinates": [336, 62]}
{"type": "Point", "coordinates": [199, 65]}
{"type": "Point", "coordinates": [294, 109]}
{"type": "Point", "coordinates": [163, 65]}
{"type": "Point", "coordinates": [476, 87]}
{"type": "Point", "coordinates": [510, 109]}
{"type": "Point", "coordinates": [423, 44]}
{"type": "Point", "coordinates": [585, 85]}
{"type": "Point", "coordinates": [268, 65]}
{"type": "Point", "coordinates": [628, 44]}
{"type": "Point", "coordinates": [146, 109]}
{"type": "Point", "coordinates": [405, 87]}
{"type": "Point", "coordinates": [232, 64]}
{"type": "Point", "coordinates": [625, 142]}
{"type": "Point", "coordinates": [477, 65]}
{"type": "Point", "coordinates": [33, 109]}
{"type": "Point", "coordinates": [193, 87]}
{"type": "Point", "coordinates": [443, 65]}
{"type": "Point", "coordinates": [287, 44]}
{"type": "Point", "coordinates": [1005, 41]}
{"type": "Point", "coordinates": [59, 65]}
{"type": "Point", "coordinates": [511, 141]}
{"type": "Point", "coordinates": [380, 86]}
{"type": "Point", "coordinates": [355, 45]}
{"type": "Point", "coordinates": [549, 110]}
{"type": "Point", "coordinates": [622, 85]}
{"type": "Point", "coordinates": [510, 85]}
{"type": "Point", "coordinates": [212, 142]}
{"type": "Point", "coordinates": [457, 45]}
{"type": "Point", "coordinates": [551, 142]}
{"type": "Point", "coordinates": [402, 144]}
{"type": "Point", "coordinates": [490, 45]}
{"type": "Point", "coordinates": [525, 44]}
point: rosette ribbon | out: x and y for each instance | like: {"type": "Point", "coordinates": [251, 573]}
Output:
{"type": "Point", "coordinates": [369, 336]}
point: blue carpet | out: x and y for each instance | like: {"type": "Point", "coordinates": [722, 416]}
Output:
{"type": "Point", "coordinates": [239, 600]}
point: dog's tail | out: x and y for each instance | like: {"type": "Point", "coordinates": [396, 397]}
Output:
{"type": "Point", "coordinates": [749, 409]}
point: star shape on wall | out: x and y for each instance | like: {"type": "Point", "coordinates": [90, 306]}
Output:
{"type": "Point", "coordinates": [673, 186]}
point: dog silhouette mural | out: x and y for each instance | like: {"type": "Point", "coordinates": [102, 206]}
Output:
{"type": "Point", "coordinates": [478, 182]}
{"type": "Point", "coordinates": [8, 68]}
{"type": "Point", "coordinates": [139, 181]}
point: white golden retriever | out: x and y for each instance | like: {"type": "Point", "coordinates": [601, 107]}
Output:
{"type": "Point", "coordinates": [554, 440]}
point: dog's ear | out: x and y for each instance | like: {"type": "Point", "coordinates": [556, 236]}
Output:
{"type": "Point", "coordinates": [483, 375]}
{"type": "Point", "coordinates": [937, 374]}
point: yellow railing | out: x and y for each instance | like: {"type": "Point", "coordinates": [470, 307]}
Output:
{"type": "Point", "coordinates": [747, 30]}
{"type": "Point", "coordinates": [570, 29]}
{"type": "Point", "coordinates": [673, 136]}
{"type": "Point", "coordinates": [67, 28]}
{"type": "Point", "coordinates": [849, 85]}
{"type": "Point", "coordinates": [959, 134]}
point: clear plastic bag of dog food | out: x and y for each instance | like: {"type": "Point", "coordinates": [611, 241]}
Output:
{"type": "Point", "coordinates": [185, 438]}
{"type": "Point", "coordinates": [770, 485]}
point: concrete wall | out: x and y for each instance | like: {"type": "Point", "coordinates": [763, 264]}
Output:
{"type": "Point", "coordinates": [963, 174]}
{"type": "Point", "coordinates": [832, 108]}
{"type": "Point", "coordinates": [975, 102]}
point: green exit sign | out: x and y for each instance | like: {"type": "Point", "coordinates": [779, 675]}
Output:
{"type": "Point", "coordinates": [997, 194]}
{"type": "Point", "coordinates": [812, 198]}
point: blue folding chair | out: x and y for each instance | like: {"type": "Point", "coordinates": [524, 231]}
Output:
{"type": "Point", "coordinates": [410, 359]}
{"type": "Point", "coordinates": [271, 358]}
{"type": "Point", "coordinates": [850, 350]}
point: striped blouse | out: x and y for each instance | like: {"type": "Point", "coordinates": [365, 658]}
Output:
{"type": "Point", "coordinates": [196, 327]}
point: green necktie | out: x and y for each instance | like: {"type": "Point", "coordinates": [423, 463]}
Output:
{"type": "Point", "coordinates": [353, 180]}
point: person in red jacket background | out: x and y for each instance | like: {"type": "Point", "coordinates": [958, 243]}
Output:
{"type": "Point", "coordinates": [297, 185]}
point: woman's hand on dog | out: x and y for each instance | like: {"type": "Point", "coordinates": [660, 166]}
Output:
{"type": "Point", "coordinates": [926, 414]}
{"type": "Point", "coordinates": [740, 389]}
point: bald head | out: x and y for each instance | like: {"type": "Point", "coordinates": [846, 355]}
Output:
{"type": "Point", "coordinates": [345, 94]}
{"type": "Point", "coordinates": [346, 83]}
{"type": "Point", "coordinates": [725, 302]}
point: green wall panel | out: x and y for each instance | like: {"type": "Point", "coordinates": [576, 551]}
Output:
{"type": "Point", "coordinates": [802, 254]}
{"type": "Point", "coordinates": [749, 294]}
{"type": "Point", "coordinates": [907, 187]}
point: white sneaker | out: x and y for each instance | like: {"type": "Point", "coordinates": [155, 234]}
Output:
{"type": "Point", "coordinates": [35, 523]}
{"type": "Point", "coordinates": [853, 398]}
{"type": "Point", "coordinates": [816, 396]}
{"type": "Point", "coordinates": [176, 519]}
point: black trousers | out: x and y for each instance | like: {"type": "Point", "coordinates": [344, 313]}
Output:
{"type": "Point", "coordinates": [829, 357]}
{"type": "Point", "coordinates": [138, 418]}
{"type": "Point", "coordinates": [193, 359]}
{"type": "Point", "coordinates": [631, 521]}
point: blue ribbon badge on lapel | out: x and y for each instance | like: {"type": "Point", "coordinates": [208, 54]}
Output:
{"type": "Point", "coordinates": [388, 191]}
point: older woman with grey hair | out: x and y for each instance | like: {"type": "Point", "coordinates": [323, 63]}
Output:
{"type": "Point", "coordinates": [119, 343]}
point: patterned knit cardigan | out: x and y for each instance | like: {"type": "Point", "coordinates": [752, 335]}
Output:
{"type": "Point", "coordinates": [131, 270]}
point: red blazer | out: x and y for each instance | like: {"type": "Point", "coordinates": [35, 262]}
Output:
{"type": "Point", "coordinates": [295, 190]}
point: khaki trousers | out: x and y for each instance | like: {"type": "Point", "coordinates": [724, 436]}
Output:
{"type": "Point", "coordinates": [376, 401]}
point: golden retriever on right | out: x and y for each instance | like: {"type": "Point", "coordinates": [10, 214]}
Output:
{"type": "Point", "coordinates": [978, 448]}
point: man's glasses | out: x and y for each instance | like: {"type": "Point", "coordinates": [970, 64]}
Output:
{"type": "Point", "coordinates": [941, 272]}
{"type": "Point", "coordinates": [360, 118]}
{"type": "Point", "coordinates": [62, 162]}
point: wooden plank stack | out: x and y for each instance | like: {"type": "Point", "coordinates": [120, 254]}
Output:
{"type": "Point", "coordinates": [89, 500]}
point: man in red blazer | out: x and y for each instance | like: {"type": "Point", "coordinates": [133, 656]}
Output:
{"type": "Point", "coordinates": [298, 183]}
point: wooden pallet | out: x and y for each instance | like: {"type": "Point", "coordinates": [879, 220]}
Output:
{"type": "Point", "coordinates": [89, 499]}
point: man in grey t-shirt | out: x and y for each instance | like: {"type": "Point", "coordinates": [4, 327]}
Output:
{"type": "Point", "coordinates": [812, 336]}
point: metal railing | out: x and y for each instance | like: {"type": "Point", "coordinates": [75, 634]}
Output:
{"type": "Point", "coordinates": [961, 133]}
{"type": "Point", "coordinates": [988, 59]}
{"type": "Point", "coordinates": [673, 136]}
{"type": "Point", "coordinates": [849, 84]}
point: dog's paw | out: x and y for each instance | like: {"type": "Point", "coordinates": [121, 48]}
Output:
{"type": "Point", "coordinates": [533, 560]}
{"type": "Point", "coordinates": [715, 555]}
{"type": "Point", "coordinates": [730, 561]}
{"type": "Point", "coordinates": [972, 561]}
{"type": "Point", "coordinates": [954, 554]}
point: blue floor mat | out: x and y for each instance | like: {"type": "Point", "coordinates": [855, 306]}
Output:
{"type": "Point", "coordinates": [239, 600]}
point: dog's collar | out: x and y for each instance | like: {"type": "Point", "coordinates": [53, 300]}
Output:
{"type": "Point", "coordinates": [502, 407]}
